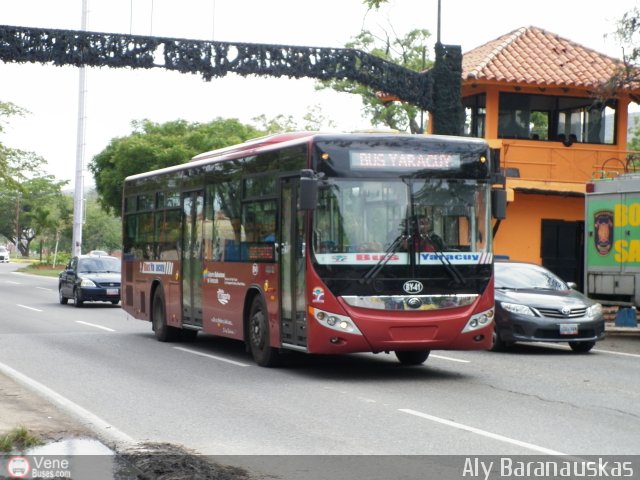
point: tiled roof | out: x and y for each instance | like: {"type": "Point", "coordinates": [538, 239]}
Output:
{"type": "Point", "coordinates": [533, 56]}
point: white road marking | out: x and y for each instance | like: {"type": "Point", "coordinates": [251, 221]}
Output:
{"type": "Point", "coordinates": [45, 289]}
{"type": "Point", "coordinates": [13, 283]}
{"type": "Point", "coordinates": [624, 354]}
{"type": "Point", "coordinates": [96, 326]}
{"type": "Point", "coordinates": [103, 429]}
{"type": "Point", "coordinates": [484, 433]}
{"type": "Point", "coordinates": [594, 350]}
{"type": "Point", "coordinates": [29, 308]}
{"type": "Point", "coordinates": [195, 352]}
{"type": "Point", "coordinates": [451, 359]}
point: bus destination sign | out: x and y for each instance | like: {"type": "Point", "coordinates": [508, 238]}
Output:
{"type": "Point", "coordinates": [381, 160]}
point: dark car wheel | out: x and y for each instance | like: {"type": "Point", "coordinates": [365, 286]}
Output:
{"type": "Point", "coordinates": [63, 299]}
{"type": "Point", "coordinates": [77, 298]}
{"type": "Point", "coordinates": [581, 347]}
{"type": "Point", "coordinates": [497, 344]}
{"type": "Point", "coordinates": [412, 357]}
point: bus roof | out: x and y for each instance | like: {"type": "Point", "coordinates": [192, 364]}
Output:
{"type": "Point", "coordinates": [253, 144]}
{"type": "Point", "coordinates": [257, 144]}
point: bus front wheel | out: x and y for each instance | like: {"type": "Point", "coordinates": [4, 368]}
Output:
{"type": "Point", "coordinates": [162, 331]}
{"type": "Point", "coordinates": [412, 357]}
{"type": "Point", "coordinates": [258, 332]}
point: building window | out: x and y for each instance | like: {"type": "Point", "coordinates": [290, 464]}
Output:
{"type": "Point", "coordinates": [560, 119]}
{"type": "Point", "coordinates": [475, 114]}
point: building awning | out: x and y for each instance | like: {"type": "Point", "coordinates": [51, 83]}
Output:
{"type": "Point", "coordinates": [547, 188]}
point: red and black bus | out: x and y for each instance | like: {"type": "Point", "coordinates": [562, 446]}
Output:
{"type": "Point", "coordinates": [313, 242]}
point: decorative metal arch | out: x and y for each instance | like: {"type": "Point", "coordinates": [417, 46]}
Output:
{"type": "Point", "coordinates": [215, 59]}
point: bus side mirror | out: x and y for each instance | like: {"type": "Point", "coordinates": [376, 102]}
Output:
{"type": "Point", "coordinates": [308, 198]}
{"type": "Point", "coordinates": [499, 203]}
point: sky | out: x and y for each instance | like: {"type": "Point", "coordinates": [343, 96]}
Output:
{"type": "Point", "coordinates": [116, 97]}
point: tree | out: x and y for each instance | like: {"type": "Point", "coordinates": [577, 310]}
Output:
{"type": "Point", "coordinates": [7, 110]}
{"type": "Point", "coordinates": [313, 120]}
{"type": "Point", "coordinates": [410, 52]}
{"type": "Point", "coordinates": [27, 206]}
{"type": "Point", "coordinates": [28, 199]}
{"type": "Point", "coordinates": [152, 146]}
{"type": "Point", "coordinates": [102, 231]}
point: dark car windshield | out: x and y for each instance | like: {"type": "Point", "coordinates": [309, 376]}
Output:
{"type": "Point", "coordinates": [98, 264]}
{"type": "Point", "coordinates": [525, 276]}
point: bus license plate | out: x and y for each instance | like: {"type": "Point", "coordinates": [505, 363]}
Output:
{"type": "Point", "coordinates": [112, 291]}
{"type": "Point", "coordinates": [568, 329]}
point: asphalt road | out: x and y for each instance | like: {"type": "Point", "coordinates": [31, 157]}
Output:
{"type": "Point", "coordinates": [211, 397]}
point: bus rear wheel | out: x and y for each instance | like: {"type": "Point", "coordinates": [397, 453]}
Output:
{"type": "Point", "coordinates": [258, 333]}
{"type": "Point", "coordinates": [162, 331]}
{"type": "Point", "coordinates": [412, 357]}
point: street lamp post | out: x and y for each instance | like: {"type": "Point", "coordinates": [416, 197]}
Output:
{"type": "Point", "coordinates": [78, 196]}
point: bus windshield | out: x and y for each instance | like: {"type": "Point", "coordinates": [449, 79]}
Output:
{"type": "Point", "coordinates": [358, 220]}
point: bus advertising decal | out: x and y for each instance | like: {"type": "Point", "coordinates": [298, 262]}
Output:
{"type": "Point", "coordinates": [212, 277]}
{"type": "Point", "coordinates": [360, 258]}
{"type": "Point", "coordinates": [455, 258]}
{"type": "Point", "coordinates": [215, 277]}
{"type": "Point", "coordinates": [401, 258]}
{"type": "Point", "coordinates": [156, 268]}
{"type": "Point", "coordinates": [224, 324]}
{"type": "Point", "coordinates": [223, 297]}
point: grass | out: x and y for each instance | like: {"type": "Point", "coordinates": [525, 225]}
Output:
{"type": "Point", "coordinates": [42, 269]}
{"type": "Point", "coordinates": [18, 439]}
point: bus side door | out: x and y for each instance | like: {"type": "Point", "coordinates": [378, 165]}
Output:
{"type": "Point", "coordinates": [293, 329]}
{"type": "Point", "coordinates": [193, 221]}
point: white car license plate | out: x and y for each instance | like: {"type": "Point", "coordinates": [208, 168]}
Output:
{"type": "Point", "coordinates": [568, 329]}
{"type": "Point", "coordinates": [112, 291]}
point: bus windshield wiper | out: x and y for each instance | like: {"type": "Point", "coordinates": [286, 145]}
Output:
{"type": "Point", "coordinates": [449, 267]}
{"type": "Point", "coordinates": [393, 248]}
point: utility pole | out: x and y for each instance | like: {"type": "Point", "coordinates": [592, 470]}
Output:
{"type": "Point", "coordinates": [78, 196]}
{"type": "Point", "coordinates": [439, 17]}
{"type": "Point", "coordinates": [18, 229]}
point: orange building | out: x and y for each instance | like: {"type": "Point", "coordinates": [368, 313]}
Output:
{"type": "Point", "coordinates": [534, 95]}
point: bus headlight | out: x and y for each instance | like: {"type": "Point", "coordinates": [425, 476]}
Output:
{"type": "Point", "coordinates": [479, 320]}
{"type": "Point", "coordinates": [340, 323]}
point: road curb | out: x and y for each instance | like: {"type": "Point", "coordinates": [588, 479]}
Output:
{"type": "Point", "coordinates": [610, 328]}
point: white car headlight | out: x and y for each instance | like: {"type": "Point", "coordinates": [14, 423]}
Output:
{"type": "Point", "coordinates": [517, 308]}
{"type": "Point", "coordinates": [87, 283]}
{"type": "Point", "coordinates": [594, 311]}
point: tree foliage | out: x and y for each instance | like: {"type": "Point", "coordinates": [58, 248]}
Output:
{"type": "Point", "coordinates": [29, 202]}
{"type": "Point", "coordinates": [313, 120]}
{"type": "Point", "coordinates": [102, 231]}
{"type": "Point", "coordinates": [409, 52]}
{"type": "Point", "coordinates": [152, 146]}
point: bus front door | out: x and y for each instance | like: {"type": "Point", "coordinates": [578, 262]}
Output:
{"type": "Point", "coordinates": [293, 328]}
{"type": "Point", "coordinates": [193, 215]}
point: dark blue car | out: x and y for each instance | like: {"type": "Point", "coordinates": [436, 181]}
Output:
{"type": "Point", "coordinates": [90, 278]}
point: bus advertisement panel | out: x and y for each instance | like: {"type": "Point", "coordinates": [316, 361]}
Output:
{"type": "Point", "coordinates": [317, 243]}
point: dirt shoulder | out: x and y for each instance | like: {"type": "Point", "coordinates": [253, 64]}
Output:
{"type": "Point", "coordinates": [19, 407]}
{"type": "Point", "coordinates": [22, 408]}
